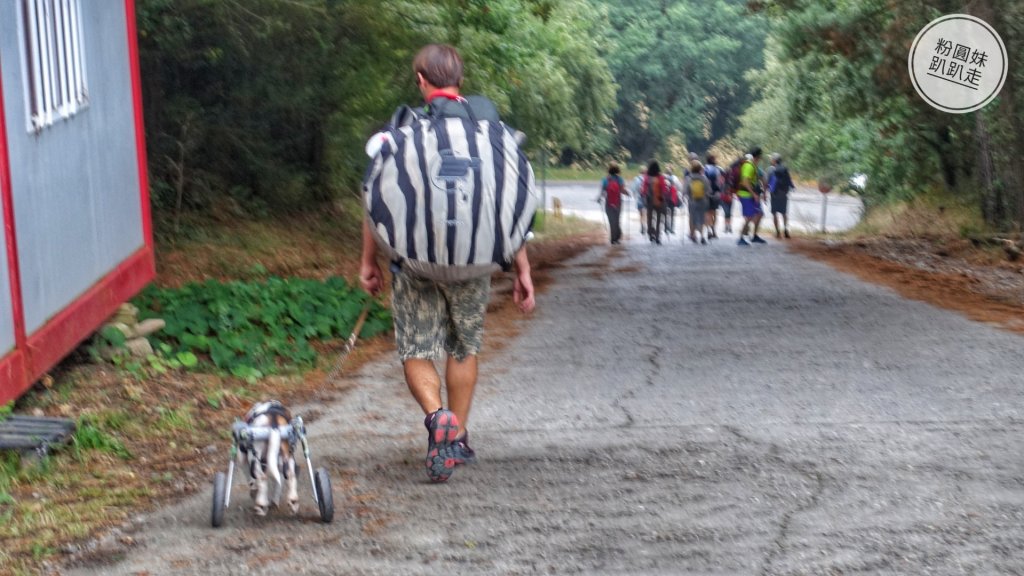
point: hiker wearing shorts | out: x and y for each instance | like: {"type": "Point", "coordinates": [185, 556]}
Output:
{"type": "Point", "coordinates": [441, 320]}
{"type": "Point", "coordinates": [750, 198]}
{"type": "Point", "coordinates": [779, 185]}
{"type": "Point", "coordinates": [698, 192]}
{"type": "Point", "coordinates": [717, 181]}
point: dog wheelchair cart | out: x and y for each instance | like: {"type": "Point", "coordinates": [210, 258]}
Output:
{"type": "Point", "coordinates": [242, 438]}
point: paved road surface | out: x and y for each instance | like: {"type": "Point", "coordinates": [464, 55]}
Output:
{"type": "Point", "coordinates": [669, 410]}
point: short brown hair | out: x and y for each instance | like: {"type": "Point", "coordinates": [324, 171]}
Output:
{"type": "Point", "coordinates": [440, 64]}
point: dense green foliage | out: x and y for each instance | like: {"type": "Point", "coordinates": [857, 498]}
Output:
{"type": "Point", "coordinates": [250, 329]}
{"type": "Point", "coordinates": [265, 104]}
{"type": "Point", "coordinates": [680, 67]}
{"type": "Point", "coordinates": [837, 99]}
{"type": "Point", "coordinates": [268, 103]}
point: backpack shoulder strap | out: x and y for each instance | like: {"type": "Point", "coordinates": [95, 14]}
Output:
{"type": "Point", "coordinates": [405, 116]}
{"type": "Point", "coordinates": [450, 107]}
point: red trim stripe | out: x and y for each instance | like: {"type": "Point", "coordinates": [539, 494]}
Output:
{"type": "Point", "coordinates": [7, 196]}
{"type": "Point", "coordinates": [12, 376]}
{"type": "Point", "coordinates": [140, 123]}
{"type": "Point", "coordinates": [65, 331]}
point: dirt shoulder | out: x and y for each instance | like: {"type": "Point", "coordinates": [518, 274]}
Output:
{"type": "Point", "coordinates": [950, 273]}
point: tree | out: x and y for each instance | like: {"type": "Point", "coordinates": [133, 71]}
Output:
{"type": "Point", "coordinates": [681, 70]}
{"type": "Point", "coordinates": [836, 98]}
{"type": "Point", "coordinates": [267, 104]}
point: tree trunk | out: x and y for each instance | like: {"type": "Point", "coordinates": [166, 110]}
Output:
{"type": "Point", "coordinates": [1008, 172]}
{"type": "Point", "coordinates": [991, 199]}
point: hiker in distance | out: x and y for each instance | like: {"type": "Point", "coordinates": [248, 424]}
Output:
{"type": "Point", "coordinates": [442, 319]}
{"type": "Point", "coordinates": [637, 189]}
{"type": "Point", "coordinates": [613, 188]}
{"type": "Point", "coordinates": [750, 198]}
{"type": "Point", "coordinates": [698, 191]}
{"type": "Point", "coordinates": [780, 183]}
{"type": "Point", "coordinates": [656, 196]}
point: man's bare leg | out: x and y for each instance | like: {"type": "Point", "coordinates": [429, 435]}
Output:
{"type": "Point", "coordinates": [424, 383]}
{"type": "Point", "coordinates": [460, 381]}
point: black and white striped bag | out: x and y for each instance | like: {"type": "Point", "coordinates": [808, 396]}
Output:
{"type": "Point", "coordinates": [450, 198]}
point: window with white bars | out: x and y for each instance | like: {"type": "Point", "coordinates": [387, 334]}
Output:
{"type": "Point", "coordinates": [54, 60]}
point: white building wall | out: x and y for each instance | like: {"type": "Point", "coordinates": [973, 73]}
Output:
{"type": "Point", "coordinates": [75, 184]}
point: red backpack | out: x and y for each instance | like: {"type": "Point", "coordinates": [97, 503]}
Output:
{"type": "Point", "coordinates": [613, 191]}
{"type": "Point", "coordinates": [673, 192]}
{"type": "Point", "coordinates": [656, 195]}
{"type": "Point", "coordinates": [732, 179]}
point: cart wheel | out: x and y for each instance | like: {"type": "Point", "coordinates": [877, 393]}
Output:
{"type": "Point", "coordinates": [220, 489]}
{"type": "Point", "coordinates": [324, 497]}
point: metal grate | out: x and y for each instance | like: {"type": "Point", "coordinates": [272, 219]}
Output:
{"type": "Point", "coordinates": [29, 433]}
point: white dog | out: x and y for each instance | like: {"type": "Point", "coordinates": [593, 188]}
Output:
{"type": "Point", "coordinates": [267, 455]}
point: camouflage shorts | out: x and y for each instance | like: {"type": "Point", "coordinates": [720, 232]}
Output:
{"type": "Point", "coordinates": [432, 318]}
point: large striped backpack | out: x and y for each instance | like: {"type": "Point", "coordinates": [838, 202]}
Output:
{"type": "Point", "coordinates": [449, 197]}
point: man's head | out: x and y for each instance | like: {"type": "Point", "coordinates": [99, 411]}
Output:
{"type": "Point", "coordinates": [695, 167]}
{"type": "Point", "coordinates": [437, 66]}
{"type": "Point", "coordinates": [756, 153]}
{"type": "Point", "coordinates": [613, 169]}
{"type": "Point", "coordinates": [776, 158]}
{"type": "Point", "coordinates": [654, 169]}
{"type": "Point", "coordinates": [711, 159]}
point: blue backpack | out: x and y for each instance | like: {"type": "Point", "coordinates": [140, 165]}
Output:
{"type": "Point", "coordinates": [780, 181]}
{"type": "Point", "coordinates": [714, 174]}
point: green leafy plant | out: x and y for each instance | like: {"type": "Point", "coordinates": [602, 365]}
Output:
{"type": "Point", "coordinates": [252, 329]}
{"type": "Point", "coordinates": [109, 343]}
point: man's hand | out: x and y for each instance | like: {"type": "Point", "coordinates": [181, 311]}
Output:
{"type": "Point", "coordinates": [371, 278]}
{"type": "Point", "coordinates": [522, 292]}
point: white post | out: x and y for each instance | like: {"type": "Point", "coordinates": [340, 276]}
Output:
{"type": "Point", "coordinates": [824, 186]}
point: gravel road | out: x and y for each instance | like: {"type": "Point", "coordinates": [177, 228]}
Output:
{"type": "Point", "coordinates": [666, 410]}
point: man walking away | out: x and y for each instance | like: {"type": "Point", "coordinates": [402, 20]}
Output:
{"type": "Point", "coordinates": [612, 190]}
{"type": "Point", "coordinates": [698, 189]}
{"type": "Point", "coordinates": [717, 181]}
{"type": "Point", "coordinates": [637, 189]}
{"type": "Point", "coordinates": [656, 192]}
{"type": "Point", "coordinates": [779, 185]}
{"type": "Point", "coordinates": [433, 319]}
{"type": "Point", "coordinates": [675, 189]}
{"type": "Point", "coordinates": [750, 198]}
{"type": "Point", "coordinates": [731, 176]}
